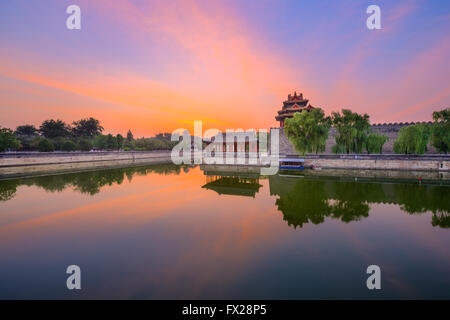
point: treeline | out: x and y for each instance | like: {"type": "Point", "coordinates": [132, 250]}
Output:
{"type": "Point", "coordinates": [82, 135]}
{"type": "Point", "coordinates": [308, 131]}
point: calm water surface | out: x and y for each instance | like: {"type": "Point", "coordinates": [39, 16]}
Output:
{"type": "Point", "coordinates": [164, 231]}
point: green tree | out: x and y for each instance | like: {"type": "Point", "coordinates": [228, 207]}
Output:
{"type": "Point", "coordinates": [54, 129]}
{"type": "Point", "coordinates": [412, 139]}
{"type": "Point", "coordinates": [58, 142]}
{"type": "Point", "coordinates": [8, 140]}
{"type": "Point", "coordinates": [338, 148]}
{"type": "Point", "coordinates": [308, 131]}
{"type": "Point", "coordinates": [163, 136]}
{"type": "Point", "coordinates": [375, 142]}
{"type": "Point", "coordinates": [119, 139]}
{"type": "Point", "coordinates": [99, 142]}
{"type": "Point", "coordinates": [25, 134]}
{"type": "Point", "coordinates": [440, 132]}
{"type": "Point", "coordinates": [352, 130]}
{"type": "Point", "coordinates": [26, 130]}
{"type": "Point", "coordinates": [45, 145]}
{"type": "Point", "coordinates": [111, 142]}
{"type": "Point", "coordinates": [130, 136]}
{"type": "Point", "coordinates": [87, 128]}
{"type": "Point", "coordinates": [85, 145]}
{"type": "Point", "coordinates": [129, 143]}
{"type": "Point", "coordinates": [69, 145]}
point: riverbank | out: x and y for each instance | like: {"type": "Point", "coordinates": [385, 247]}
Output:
{"type": "Point", "coordinates": [31, 163]}
{"type": "Point", "coordinates": [436, 162]}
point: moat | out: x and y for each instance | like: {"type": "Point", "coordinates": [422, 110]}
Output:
{"type": "Point", "coordinates": [166, 231]}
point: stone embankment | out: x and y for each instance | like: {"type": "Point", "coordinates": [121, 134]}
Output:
{"type": "Point", "coordinates": [28, 163]}
{"type": "Point", "coordinates": [380, 162]}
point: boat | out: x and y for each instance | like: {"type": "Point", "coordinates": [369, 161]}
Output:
{"type": "Point", "coordinates": [291, 164]}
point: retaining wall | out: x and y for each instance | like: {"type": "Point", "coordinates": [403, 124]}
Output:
{"type": "Point", "coordinates": [13, 164]}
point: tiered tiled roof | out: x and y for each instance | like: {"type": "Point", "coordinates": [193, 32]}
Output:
{"type": "Point", "coordinates": [293, 104]}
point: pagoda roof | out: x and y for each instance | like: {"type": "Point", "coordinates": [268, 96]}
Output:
{"type": "Point", "coordinates": [295, 103]}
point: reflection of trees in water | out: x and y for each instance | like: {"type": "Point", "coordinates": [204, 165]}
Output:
{"type": "Point", "coordinates": [418, 199]}
{"type": "Point", "coordinates": [314, 200]}
{"type": "Point", "coordinates": [306, 202]}
{"type": "Point", "coordinates": [441, 219]}
{"type": "Point", "coordinates": [422, 198]}
{"type": "Point", "coordinates": [351, 200]}
{"type": "Point", "coordinates": [8, 189]}
{"type": "Point", "coordinates": [85, 182]}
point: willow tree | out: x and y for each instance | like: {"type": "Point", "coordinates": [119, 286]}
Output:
{"type": "Point", "coordinates": [375, 142]}
{"type": "Point", "coordinates": [352, 130]}
{"type": "Point", "coordinates": [412, 139]}
{"type": "Point", "coordinates": [308, 131]}
{"type": "Point", "coordinates": [440, 133]}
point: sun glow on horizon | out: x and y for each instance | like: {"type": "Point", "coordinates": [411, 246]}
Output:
{"type": "Point", "coordinates": [154, 66]}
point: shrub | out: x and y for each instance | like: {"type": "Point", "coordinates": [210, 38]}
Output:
{"type": "Point", "coordinates": [69, 146]}
{"type": "Point", "coordinates": [45, 145]}
{"type": "Point", "coordinates": [85, 145]}
{"type": "Point", "coordinates": [58, 142]}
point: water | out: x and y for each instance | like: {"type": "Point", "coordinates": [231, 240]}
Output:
{"type": "Point", "coordinates": [164, 231]}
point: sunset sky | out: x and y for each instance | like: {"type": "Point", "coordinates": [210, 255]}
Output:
{"type": "Point", "coordinates": [155, 66]}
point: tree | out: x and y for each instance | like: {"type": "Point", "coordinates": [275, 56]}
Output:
{"type": "Point", "coordinates": [119, 139]}
{"type": "Point", "coordinates": [45, 145]}
{"type": "Point", "coordinates": [85, 145]}
{"type": "Point", "coordinates": [53, 129]}
{"type": "Point", "coordinates": [88, 128]}
{"type": "Point", "coordinates": [375, 142]}
{"type": "Point", "coordinates": [8, 140]}
{"type": "Point", "coordinates": [412, 139]}
{"type": "Point", "coordinates": [26, 130]}
{"type": "Point", "coordinates": [440, 132]}
{"type": "Point", "coordinates": [111, 142]}
{"type": "Point", "coordinates": [352, 130]}
{"type": "Point", "coordinates": [337, 148]}
{"type": "Point", "coordinates": [130, 136]}
{"type": "Point", "coordinates": [308, 131]}
{"type": "Point", "coordinates": [163, 136]}
{"type": "Point", "coordinates": [69, 145]}
{"type": "Point", "coordinates": [25, 134]}
{"type": "Point", "coordinates": [58, 142]}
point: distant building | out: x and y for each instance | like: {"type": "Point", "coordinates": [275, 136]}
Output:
{"type": "Point", "coordinates": [238, 142]}
{"type": "Point", "coordinates": [292, 105]}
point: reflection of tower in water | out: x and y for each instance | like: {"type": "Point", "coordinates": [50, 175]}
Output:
{"type": "Point", "coordinates": [233, 185]}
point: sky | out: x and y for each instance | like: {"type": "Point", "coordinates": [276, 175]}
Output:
{"type": "Point", "coordinates": [156, 66]}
